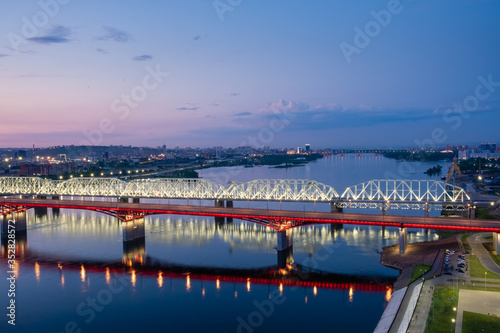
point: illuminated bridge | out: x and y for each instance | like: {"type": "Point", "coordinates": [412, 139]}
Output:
{"type": "Point", "coordinates": [123, 200]}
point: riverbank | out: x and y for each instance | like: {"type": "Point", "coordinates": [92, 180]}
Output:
{"type": "Point", "coordinates": [416, 254]}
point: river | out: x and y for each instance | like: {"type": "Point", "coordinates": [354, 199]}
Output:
{"type": "Point", "coordinates": [194, 275]}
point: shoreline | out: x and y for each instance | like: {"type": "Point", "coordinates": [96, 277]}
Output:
{"type": "Point", "coordinates": [423, 253]}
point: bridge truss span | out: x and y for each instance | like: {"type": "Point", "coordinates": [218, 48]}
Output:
{"type": "Point", "coordinates": [405, 194]}
{"type": "Point", "coordinates": [281, 190]}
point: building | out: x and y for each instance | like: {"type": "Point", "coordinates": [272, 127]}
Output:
{"type": "Point", "coordinates": [46, 169]}
{"type": "Point", "coordinates": [491, 147]}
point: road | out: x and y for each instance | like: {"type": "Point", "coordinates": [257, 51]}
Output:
{"type": "Point", "coordinates": [292, 217]}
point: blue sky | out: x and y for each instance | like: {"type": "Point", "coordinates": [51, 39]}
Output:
{"type": "Point", "coordinates": [262, 72]}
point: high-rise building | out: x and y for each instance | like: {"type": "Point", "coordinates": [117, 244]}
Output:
{"type": "Point", "coordinates": [488, 147]}
{"type": "Point", "coordinates": [308, 147]}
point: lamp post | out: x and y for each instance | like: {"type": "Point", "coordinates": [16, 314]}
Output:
{"type": "Point", "coordinates": [485, 280]}
{"type": "Point", "coordinates": [452, 322]}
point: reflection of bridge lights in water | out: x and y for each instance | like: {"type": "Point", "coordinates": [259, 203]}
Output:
{"type": "Point", "coordinates": [305, 299]}
{"type": "Point", "coordinates": [351, 294]}
{"type": "Point", "coordinates": [388, 294]}
{"type": "Point", "coordinates": [16, 268]}
{"type": "Point", "coordinates": [217, 284]}
{"type": "Point", "coordinates": [37, 271]}
{"type": "Point", "coordinates": [82, 273]}
{"type": "Point", "coordinates": [108, 275]}
{"type": "Point", "coordinates": [133, 278]}
{"type": "Point", "coordinates": [203, 292]}
{"type": "Point", "coordinates": [315, 290]}
{"type": "Point", "coordinates": [62, 280]}
{"type": "Point", "coordinates": [160, 279]}
{"type": "Point", "coordinates": [281, 289]}
{"type": "Point", "coordinates": [188, 283]}
{"type": "Point", "coordinates": [248, 284]}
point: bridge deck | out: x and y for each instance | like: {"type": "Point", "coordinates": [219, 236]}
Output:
{"type": "Point", "coordinates": [304, 217]}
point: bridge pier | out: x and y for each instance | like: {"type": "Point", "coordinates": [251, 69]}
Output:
{"type": "Point", "coordinates": [134, 251]}
{"type": "Point", "coordinates": [285, 239]}
{"type": "Point", "coordinates": [335, 227]}
{"type": "Point", "coordinates": [335, 207]}
{"type": "Point", "coordinates": [285, 257]}
{"type": "Point", "coordinates": [285, 247]}
{"type": "Point", "coordinates": [229, 204]}
{"type": "Point", "coordinates": [19, 225]}
{"type": "Point", "coordinates": [403, 239]}
{"type": "Point", "coordinates": [471, 213]}
{"type": "Point", "coordinates": [219, 221]}
{"type": "Point", "coordinates": [133, 229]}
{"type": "Point", "coordinates": [384, 209]}
{"type": "Point", "coordinates": [496, 242]}
{"type": "Point", "coordinates": [40, 211]}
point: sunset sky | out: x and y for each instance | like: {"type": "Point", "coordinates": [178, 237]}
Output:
{"type": "Point", "coordinates": [264, 72]}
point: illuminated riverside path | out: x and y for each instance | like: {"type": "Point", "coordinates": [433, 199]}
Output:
{"type": "Point", "coordinates": [22, 193]}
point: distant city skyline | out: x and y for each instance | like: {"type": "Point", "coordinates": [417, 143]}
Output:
{"type": "Point", "coordinates": [229, 73]}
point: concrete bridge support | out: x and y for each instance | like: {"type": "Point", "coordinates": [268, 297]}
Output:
{"type": "Point", "coordinates": [40, 211]}
{"type": "Point", "coordinates": [19, 225]}
{"type": "Point", "coordinates": [335, 227]}
{"type": "Point", "coordinates": [471, 213]}
{"type": "Point", "coordinates": [496, 242]}
{"type": "Point", "coordinates": [403, 239]}
{"type": "Point", "coordinates": [384, 209]}
{"type": "Point", "coordinates": [285, 247]}
{"type": "Point", "coordinates": [134, 251]}
{"type": "Point", "coordinates": [285, 257]}
{"type": "Point", "coordinates": [335, 207]}
{"type": "Point", "coordinates": [285, 239]}
{"type": "Point", "coordinates": [229, 204]}
{"type": "Point", "coordinates": [133, 230]}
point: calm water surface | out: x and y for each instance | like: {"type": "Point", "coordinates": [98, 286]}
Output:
{"type": "Point", "coordinates": [75, 274]}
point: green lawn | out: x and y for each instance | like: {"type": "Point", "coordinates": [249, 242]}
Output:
{"type": "Point", "coordinates": [477, 270]}
{"type": "Point", "coordinates": [464, 242]}
{"type": "Point", "coordinates": [441, 312]}
{"type": "Point", "coordinates": [475, 322]}
{"type": "Point", "coordinates": [418, 271]}
{"type": "Point", "coordinates": [483, 214]}
{"type": "Point", "coordinates": [490, 249]}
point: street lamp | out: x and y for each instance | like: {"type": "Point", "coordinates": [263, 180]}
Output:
{"type": "Point", "coordinates": [485, 280]}
{"type": "Point", "coordinates": [452, 322]}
